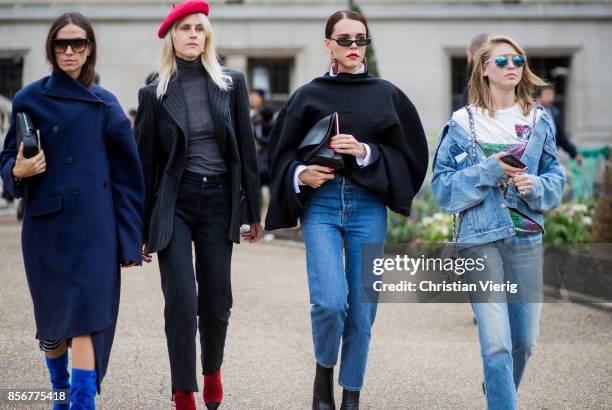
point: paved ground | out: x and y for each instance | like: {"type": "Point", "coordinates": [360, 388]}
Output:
{"type": "Point", "coordinates": [422, 356]}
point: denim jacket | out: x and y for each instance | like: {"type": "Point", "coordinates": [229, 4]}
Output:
{"type": "Point", "coordinates": [466, 183]}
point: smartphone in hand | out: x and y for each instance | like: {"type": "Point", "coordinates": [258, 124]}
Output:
{"type": "Point", "coordinates": [513, 161]}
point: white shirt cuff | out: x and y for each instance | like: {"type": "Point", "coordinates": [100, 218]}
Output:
{"type": "Point", "coordinates": [296, 179]}
{"type": "Point", "coordinates": [362, 162]}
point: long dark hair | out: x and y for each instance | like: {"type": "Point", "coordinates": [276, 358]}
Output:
{"type": "Point", "coordinates": [88, 70]}
{"type": "Point", "coordinates": [344, 14]}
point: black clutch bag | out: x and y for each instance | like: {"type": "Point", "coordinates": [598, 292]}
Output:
{"type": "Point", "coordinates": [314, 148]}
{"type": "Point", "coordinates": [28, 135]}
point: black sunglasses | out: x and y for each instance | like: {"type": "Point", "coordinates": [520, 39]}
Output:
{"type": "Point", "coordinates": [347, 42]}
{"type": "Point", "coordinates": [78, 45]}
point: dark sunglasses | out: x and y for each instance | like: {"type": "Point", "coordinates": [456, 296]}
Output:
{"type": "Point", "coordinates": [517, 60]}
{"type": "Point", "coordinates": [78, 45]}
{"type": "Point", "coordinates": [347, 42]}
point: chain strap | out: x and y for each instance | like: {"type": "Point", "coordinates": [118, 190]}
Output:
{"type": "Point", "coordinates": [472, 139]}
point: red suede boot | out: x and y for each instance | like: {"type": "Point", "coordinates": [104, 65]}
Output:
{"type": "Point", "coordinates": [184, 400]}
{"type": "Point", "coordinates": [213, 390]}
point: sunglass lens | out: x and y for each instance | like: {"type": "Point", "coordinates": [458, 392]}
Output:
{"type": "Point", "coordinates": [501, 61]}
{"type": "Point", "coordinates": [60, 45]}
{"type": "Point", "coordinates": [79, 45]}
{"type": "Point", "coordinates": [518, 61]}
{"type": "Point", "coordinates": [362, 42]}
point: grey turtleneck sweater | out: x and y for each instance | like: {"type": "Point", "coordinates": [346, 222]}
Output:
{"type": "Point", "coordinates": [203, 153]}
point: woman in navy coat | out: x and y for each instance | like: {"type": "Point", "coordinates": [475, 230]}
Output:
{"type": "Point", "coordinates": [84, 196]}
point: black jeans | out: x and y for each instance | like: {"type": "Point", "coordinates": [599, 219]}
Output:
{"type": "Point", "coordinates": [202, 216]}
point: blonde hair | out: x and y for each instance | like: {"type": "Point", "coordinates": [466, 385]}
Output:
{"type": "Point", "coordinates": [479, 88]}
{"type": "Point", "coordinates": [210, 60]}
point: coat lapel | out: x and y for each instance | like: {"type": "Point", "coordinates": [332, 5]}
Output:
{"type": "Point", "coordinates": [218, 101]}
{"type": "Point", "coordinates": [176, 107]}
{"type": "Point", "coordinates": [61, 85]}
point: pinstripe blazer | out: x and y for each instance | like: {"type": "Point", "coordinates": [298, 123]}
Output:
{"type": "Point", "coordinates": [161, 129]}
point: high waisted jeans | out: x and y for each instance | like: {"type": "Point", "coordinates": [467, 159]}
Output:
{"type": "Point", "coordinates": [507, 331]}
{"type": "Point", "coordinates": [202, 217]}
{"type": "Point", "coordinates": [339, 218]}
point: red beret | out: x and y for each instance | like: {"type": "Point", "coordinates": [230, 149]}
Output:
{"type": "Point", "coordinates": [181, 10]}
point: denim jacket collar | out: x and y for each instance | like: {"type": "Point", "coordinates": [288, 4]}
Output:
{"type": "Point", "coordinates": [463, 137]}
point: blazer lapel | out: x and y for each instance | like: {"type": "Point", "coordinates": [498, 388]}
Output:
{"type": "Point", "coordinates": [218, 101]}
{"type": "Point", "coordinates": [175, 105]}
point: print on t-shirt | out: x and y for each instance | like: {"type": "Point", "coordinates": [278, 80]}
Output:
{"type": "Point", "coordinates": [522, 131]}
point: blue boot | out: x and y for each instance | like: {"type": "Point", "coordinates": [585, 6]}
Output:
{"type": "Point", "coordinates": [60, 380]}
{"type": "Point", "coordinates": [83, 390]}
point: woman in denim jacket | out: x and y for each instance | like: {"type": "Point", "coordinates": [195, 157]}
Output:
{"type": "Point", "coordinates": [501, 207]}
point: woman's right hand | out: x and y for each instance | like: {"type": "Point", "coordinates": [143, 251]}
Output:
{"type": "Point", "coordinates": [28, 167]}
{"type": "Point", "coordinates": [509, 170]}
{"type": "Point", "coordinates": [316, 175]}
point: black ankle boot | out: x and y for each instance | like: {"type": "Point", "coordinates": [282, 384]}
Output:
{"type": "Point", "coordinates": [350, 400]}
{"type": "Point", "coordinates": [323, 394]}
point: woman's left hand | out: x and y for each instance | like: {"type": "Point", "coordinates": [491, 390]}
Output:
{"type": "Point", "coordinates": [523, 184]}
{"type": "Point", "coordinates": [347, 144]}
{"type": "Point", "coordinates": [254, 233]}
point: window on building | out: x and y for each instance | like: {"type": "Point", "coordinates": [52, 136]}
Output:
{"type": "Point", "coordinates": [458, 81]}
{"type": "Point", "coordinates": [554, 70]}
{"type": "Point", "coordinates": [11, 75]}
{"type": "Point", "coordinates": [273, 76]}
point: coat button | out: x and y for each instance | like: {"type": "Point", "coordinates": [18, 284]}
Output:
{"type": "Point", "coordinates": [105, 184]}
{"type": "Point", "coordinates": [75, 191]}
{"type": "Point", "coordinates": [510, 230]}
{"type": "Point", "coordinates": [69, 160]}
{"type": "Point", "coordinates": [55, 129]}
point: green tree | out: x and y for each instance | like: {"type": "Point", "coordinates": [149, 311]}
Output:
{"type": "Point", "coordinates": [370, 56]}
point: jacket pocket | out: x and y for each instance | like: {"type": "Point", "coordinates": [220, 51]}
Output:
{"type": "Point", "coordinates": [43, 206]}
{"type": "Point", "coordinates": [457, 157]}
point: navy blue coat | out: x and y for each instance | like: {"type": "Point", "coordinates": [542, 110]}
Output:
{"type": "Point", "coordinates": [83, 215]}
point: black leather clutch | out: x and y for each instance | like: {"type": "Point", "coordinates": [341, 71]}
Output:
{"type": "Point", "coordinates": [28, 135]}
{"type": "Point", "coordinates": [314, 148]}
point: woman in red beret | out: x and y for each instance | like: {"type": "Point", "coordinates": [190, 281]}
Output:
{"type": "Point", "coordinates": [200, 169]}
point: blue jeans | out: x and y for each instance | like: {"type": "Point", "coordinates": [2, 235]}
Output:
{"type": "Point", "coordinates": [339, 218]}
{"type": "Point", "coordinates": [507, 331]}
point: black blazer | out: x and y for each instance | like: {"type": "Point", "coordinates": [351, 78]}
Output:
{"type": "Point", "coordinates": [161, 128]}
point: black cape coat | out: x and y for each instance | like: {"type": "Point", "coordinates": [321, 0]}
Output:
{"type": "Point", "coordinates": [375, 112]}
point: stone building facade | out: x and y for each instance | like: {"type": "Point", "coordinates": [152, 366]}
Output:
{"type": "Point", "coordinates": [419, 45]}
